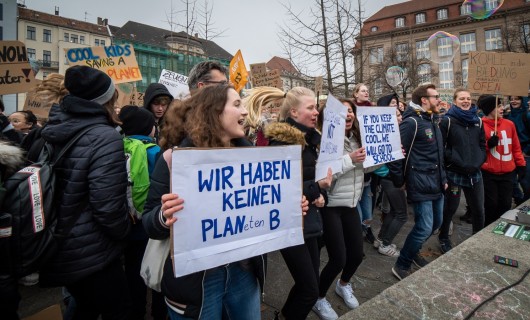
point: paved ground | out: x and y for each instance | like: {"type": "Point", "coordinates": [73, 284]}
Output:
{"type": "Point", "coordinates": [373, 276]}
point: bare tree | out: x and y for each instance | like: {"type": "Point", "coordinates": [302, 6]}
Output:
{"type": "Point", "coordinates": [516, 35]}
{"type": "Point", "coordinates": [319, 44]}
{"type": "Point", "coordinates": [207, 29]}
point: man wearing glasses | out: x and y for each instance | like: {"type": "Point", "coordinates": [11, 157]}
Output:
{"type": "Point", "coordinates": [422, 173]}
{"type": "Point", "coordinates": [206, 73]}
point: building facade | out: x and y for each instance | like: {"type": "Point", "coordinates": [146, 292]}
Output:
{"type": "Point", "coordinates": [158, 49]}
{"type": "Point", "coordinates": [398, 35]}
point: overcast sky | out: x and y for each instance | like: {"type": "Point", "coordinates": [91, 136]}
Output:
{"type": "Point", "coordinates": [251, 26]}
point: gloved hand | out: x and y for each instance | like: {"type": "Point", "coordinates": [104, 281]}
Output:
{"type": "Point", "coordinates": [4, 122]}
{"type": "Point", "coordinates": [493, 141]}
{"type": "Point", "coordinates": [521, 172]}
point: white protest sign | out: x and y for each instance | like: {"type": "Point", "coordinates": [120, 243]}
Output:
{"type": "Point", "coordinates": [379, 135]}
{"type": "Point", "coordinates": [175, 83]}
{"type": "Point", "coordinates": [332, 143]}
{"type": "Point", "coordinates": [238, 203]}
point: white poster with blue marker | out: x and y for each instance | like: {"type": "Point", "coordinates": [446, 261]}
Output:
{"type": "Point", "coordinates": [238, 203]}
{"type": "Point", "coordinates": [332, 143]}
{"type": "Point", "coordinates": [379, 135]}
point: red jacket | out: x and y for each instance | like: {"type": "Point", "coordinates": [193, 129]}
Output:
{"type": "Point", "coordinates": [508, 154]}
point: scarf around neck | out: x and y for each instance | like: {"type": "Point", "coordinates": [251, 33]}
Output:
{"type": "Point", "coordinates": [468, 117]}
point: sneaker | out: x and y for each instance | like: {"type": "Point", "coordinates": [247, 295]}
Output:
{"type": "Point", "coordinates": [324, 310]}
{"type": "Point", "coordinates": [377, 242]}
{"type": "Point", "coordinates": [370, 238]}
{"type": "Point", "coordinates": [400, 273]}
{"type": "Point", "coordinates": [346, 293]}
{"type": "Point", "coordinates": [451, 228]}
{"type": "Point", "coordinates": [389, 250]}
{"type": "Point", "coordinates": [445, 245]}
{"type": "Point", "coordinates": [29, 280]}
{"type": "Point", "coordinates": [420, 261]}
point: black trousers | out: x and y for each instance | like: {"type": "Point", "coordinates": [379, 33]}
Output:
{"type": "Point", "coordinates": [102, 293]}
{"type": "Point", "coordinates": [497, 195]}
{"type": "Point", "coordinates": [303, 262]}
{"type": "Point", "coordinates": [344, 241]}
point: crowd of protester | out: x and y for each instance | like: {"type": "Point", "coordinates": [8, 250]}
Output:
{"type": "Point", "coordinates": [479, 148]}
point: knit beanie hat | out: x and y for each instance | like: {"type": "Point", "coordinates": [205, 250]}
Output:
{"type": "Point", "coordinates": [136, 121]}
{"type": "Point", "coordinates": [89, 84]}
{"type": "Point", "coordinates": [487, 104]}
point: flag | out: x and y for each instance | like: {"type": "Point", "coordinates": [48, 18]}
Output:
{"type": "Point", "coordinates": [238, 71]}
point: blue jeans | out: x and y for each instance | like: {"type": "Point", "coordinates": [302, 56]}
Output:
{"type": "Point", "coordinates": [365, 206]}
{"type": "Point", "coordinates": [230, 291]}
{"type": "Point", "coordinates": [428, 216]}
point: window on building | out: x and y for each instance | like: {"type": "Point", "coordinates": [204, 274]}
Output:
{"type": "Point", "coordinates": [400, 22]}
{"type": "Point", "coordinates": [46, 35]}
{"type": "Point", "coordinates": [525, 34]}
{"type": "Point", "coordinates": [493, 39]}
{"type": "Point", "coordinates": [467, 42]}
{"type": "Point", "coordinates": [445, 47]}
{"type": "Point", "coordinates": [45, 75]}
{"type": "Point", "coordinates": [441, 14]}
{"type": "Point", "coordinates": [143, 60]}
{"type": "Point", "coordinates": [1, 11]}
{"type": "Point", "coordinates": [445, 74]}
{"type": "Point", "coordinates": [374, 29]}
{"type": "Point", "coordinates": [376, 55]}
{"type": "Point", "coordinates": [30, 33]}
{"type": "Point", "coordinates": [420, 18]}
{"type": "Point", "coordinates": [465, 9]}
{"type": "Point", "coordinates": [74, 38]}
{"type": "Point", "coordinates": [424, 73]}
{"type": "Point", "coordinates": [66, 37]}
{"type": "Point", "coordinates": [162, 64]}
{"type": "Point", "coordinates": [378, 87]}
{"type": "Point", "coordinates": [491, 4]}
{"type": "Point", "coordinates": [153, 62]}
{"type": "Point", "coordinates": [422, 50]}
{"type": "Point", "coordinates": [96, 42]}
{"type": "Point", "coordinates": [32, 54]}
{"type": "Point", "coordinates": [102, 42]}
{"type": "Point", "coordinates": [82, 39]}
{"type": "Point", "coordinates": [402, 50]}
{"type": "Point", "coordinates": [46, 58]}
{"type": "Point", "coordinates": [465, 68]}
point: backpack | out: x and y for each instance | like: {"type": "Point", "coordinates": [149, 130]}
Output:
{"type": "Point", "coordinates": [28, 218]}
{"type": "Point", "coordinates": [137, 174]}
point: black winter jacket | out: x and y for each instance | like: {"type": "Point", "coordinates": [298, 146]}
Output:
{"type": "Point", "coordinates": [186, 290]}
{"type": "Point", "coordinates": [291, 132]}
{"type": "Point", "coordinates": [154, 90]}
{"type": "Point", "coordinates": [465, 145]}
{"type": "Point", "coordinates": [424, 173]}
{"type": "Point", "coordinates": [92, 190]}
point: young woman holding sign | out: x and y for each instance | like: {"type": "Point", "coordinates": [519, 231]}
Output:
{"type": "Point", "coordinates": [213, 117]}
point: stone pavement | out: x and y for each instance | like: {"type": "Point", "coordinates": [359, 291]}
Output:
{"type": "Point", "coordinates": [373, 276]}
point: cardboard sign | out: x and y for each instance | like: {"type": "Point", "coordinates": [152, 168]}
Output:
{"type": "Point", "coordinates": [239, 203]}
{"type": "Point", "coordinates": [15, 71]}
{"type": "Point", "coordinates": [128, 95]}
{"type": "Point", "coordinates": [503, 73]}
{"type": "Point", "coordinates": [332, 143]}
{"type": "Point", "coordinates": [37, 104]}
{"type": "Point", "coordinates": [268, 79]}
{"type": "Point", "coordinates": [118, 61]}
{"type": "Point", "coordinates": [446, 95]}
{"type": "Point", "coordinates": [379, 134]}
{"type": "Point", "coordinates": [258, 68]}
{"type": "Point", "coordinates": [319, 82]}
{"type": "Point", "coordinates": [175, 83]}
{"type": "Point", "coordinates": [238, 71]}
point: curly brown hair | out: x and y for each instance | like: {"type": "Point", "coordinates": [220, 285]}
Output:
{"type": "Point", "coordinates": [196, 118]}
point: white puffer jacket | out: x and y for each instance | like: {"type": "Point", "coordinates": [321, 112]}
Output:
{"type": "Point", "coordinates": [347, 186]}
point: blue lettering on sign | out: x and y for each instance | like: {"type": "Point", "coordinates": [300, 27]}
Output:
{"type": "Point", "coordinates": [253, 196]}
{"type": "Point", "coordinates": [220, 176]}
{"type": "Point", "coordinates": [232, 226]}
{"type": "Point", "coordinates": [80, 54]}
{"type": "Point", "coordinates": [274, 221]}
{"type": "Point", "coordinates": [266, 171]}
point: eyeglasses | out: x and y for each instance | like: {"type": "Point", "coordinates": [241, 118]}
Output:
{"type": "Point", "coordinates": [216, 82]}
{"type": "Point", "coordinates": [436, 96]}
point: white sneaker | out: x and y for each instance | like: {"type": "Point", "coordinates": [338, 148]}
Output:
{"type": "Point", "coordinates": [29, 280]}
{"type": "Point", "coordinates": [377, 242]}
{"type": "Point", "coordinates": [389, 250]}
{"type": "Point", "coordinates": [324, 310]}
{"type": "Point", "coordinates": [346, 293]}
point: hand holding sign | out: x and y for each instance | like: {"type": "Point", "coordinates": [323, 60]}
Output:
{"type": "Point", "coordinates": [326, 182]}
{"type": "Point", "coordinates": [171, 204]}
{"type": "Point", "coordinates": [304, 205]}
{"type": "Point", "coordinates": [358, 156]}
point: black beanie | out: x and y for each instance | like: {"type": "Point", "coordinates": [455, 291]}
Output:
{"type": "Point", "coordinates": [136, 121]}
{"type": "Point", "coordinates": [89, 84]}
{"type": "Point", "coordinates": [487, 104]}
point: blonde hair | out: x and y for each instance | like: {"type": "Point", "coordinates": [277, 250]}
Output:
{"type": "Point", "coordinates": [51, 90]}
{"type": "Point", "coordinates": [356, 90]}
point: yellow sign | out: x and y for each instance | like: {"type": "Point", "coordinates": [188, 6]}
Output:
{"type": "Point", "coordinates": [15, 72]}
{"type": "Point", "coordinates": [118, 61]}
{"type": "Point", "coordinates": [238, 72]}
